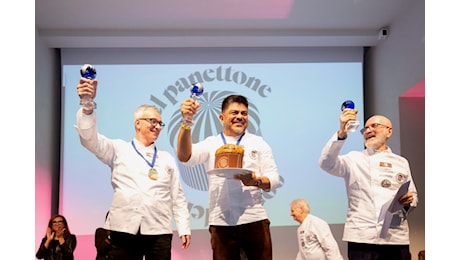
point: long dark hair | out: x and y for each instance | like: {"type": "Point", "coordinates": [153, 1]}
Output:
{"type": "Point", "coordinates": [66, 231]}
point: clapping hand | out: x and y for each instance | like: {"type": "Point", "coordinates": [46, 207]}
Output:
{"type": "Point", "coordinates": [49, 234]}
{"type": "Point", "coordinates": [60, 233]}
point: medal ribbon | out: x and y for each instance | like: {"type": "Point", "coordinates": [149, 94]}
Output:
{"type": "Point", "coordinates": [154, 155]}
{"type": "Point", "coordinates": [237, 141]}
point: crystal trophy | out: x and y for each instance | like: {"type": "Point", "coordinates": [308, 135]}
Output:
{"type": "Point", "coordinates": [196, 90]}
{"type": "Point", "coordinates": [88, 71]}
{"type": "Point", "coordinates": [352, 125]}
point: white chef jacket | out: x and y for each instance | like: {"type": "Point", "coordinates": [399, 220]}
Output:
{"type": "Point", "coordinates": [230, 201]}
{"type": "Point", "coordinates": [138, 203]}
{"type": "Point", "coordinates": [372, 179]}
{"type": "Point", "coordinates": [316, 241]}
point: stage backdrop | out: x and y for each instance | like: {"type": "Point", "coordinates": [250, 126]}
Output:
{"type": "Point", "coordinates": [295, 106]}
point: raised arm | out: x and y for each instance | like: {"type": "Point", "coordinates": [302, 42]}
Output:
{"type": "Point", "coordinates": [184, 139]}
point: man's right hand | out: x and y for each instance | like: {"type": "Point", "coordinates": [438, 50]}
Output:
{"type": "Point", "coordinates": [87, 87]}
{"type": "Point", "coordinates": [347, 115]}
{"type": "Point", "coordinates": [189, 108]}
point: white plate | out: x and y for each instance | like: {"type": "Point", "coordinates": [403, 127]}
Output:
{"type": "Point", "coordinates": [229, 172]}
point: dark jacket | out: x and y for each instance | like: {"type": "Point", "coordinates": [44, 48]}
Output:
{"type": "Point", "coordinates": [55, 251]}
{"type": "Point", "coordinates": [102, 244]}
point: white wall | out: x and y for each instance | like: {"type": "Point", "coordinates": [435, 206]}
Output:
{"type": "Point", "coordinates": [392, 67]}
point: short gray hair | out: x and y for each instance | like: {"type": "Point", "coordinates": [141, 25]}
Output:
{"type": "Point", "coordinates": [140, 111]}
{"type": "Point", "coordinates": [301, 203]}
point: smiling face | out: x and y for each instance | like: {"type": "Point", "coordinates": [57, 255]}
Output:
{"type": "Point", "coordinates": [234, 119]}
{"type": "Point", "coordinates": [148, 125]}
{"type": "Point", "coordinates": [376, 132]}
{"type": "Point", "coordinates": [58, 224]}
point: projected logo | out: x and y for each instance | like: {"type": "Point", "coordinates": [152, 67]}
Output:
{"type": "Point", "coordinates": [207, 123]}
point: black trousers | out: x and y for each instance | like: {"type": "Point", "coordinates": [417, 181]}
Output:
{"type": "Point", "coordinates": [134, 247]}
{"type": "Point", "coordinates": [252, 240]}
{"type": "Point", "coordinates": [362, 251]}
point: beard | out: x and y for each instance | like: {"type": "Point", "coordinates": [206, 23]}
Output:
{"type": "Point", "coordinates": [375, 143]}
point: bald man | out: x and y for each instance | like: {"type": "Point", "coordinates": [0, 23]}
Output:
{"type": "Point", "coordinates": [372, 178]}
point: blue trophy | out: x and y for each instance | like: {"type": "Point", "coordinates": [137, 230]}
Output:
{"type": "Point", "coordinates": [196, 90]}
{"type": "Point", "coordinates": [351, 125]}
{"type": "Point", "coordinates": [88, 71]}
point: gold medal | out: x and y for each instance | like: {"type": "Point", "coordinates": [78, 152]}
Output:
{"type": "Point", "coordinates": [153, 174]}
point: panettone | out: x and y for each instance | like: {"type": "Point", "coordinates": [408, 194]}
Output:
{"type": "Point", "coordinates": [229, 156]}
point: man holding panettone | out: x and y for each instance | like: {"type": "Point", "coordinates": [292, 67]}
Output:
{"type": "Point", "coordinates": [237, 219]}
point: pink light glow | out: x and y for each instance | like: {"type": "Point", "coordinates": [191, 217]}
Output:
{"type": "Point", "coordinates": [85, 247]}
{"type": "Point", "coordinates": [42, 202]}
{"type": "Point", "coordinates": [418, 90]}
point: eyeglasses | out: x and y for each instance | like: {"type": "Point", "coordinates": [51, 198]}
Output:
{"type": "Point", "coordinates": [372, 127]}
{"type": "Point", "coordinates": [58, 222]}
{"type": "Point", "coordinates": [153, 121]}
